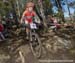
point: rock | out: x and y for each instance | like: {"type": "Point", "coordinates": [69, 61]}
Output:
{"type": "Point", "coordinates": [49, 47]}
{"type": "Point", "coordinates": [4, 56]}
{"type": "Point", "coordinates": [72, 51]}
{"type": "Point", "coordinates": [68, 36]}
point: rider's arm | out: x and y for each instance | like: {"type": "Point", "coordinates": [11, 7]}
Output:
{"type": "Point", "coordinates": [34, 15]}
{"type": "Point", "coordinates": [36, 18]}
{"type": "Point", "coordinates": [23, 15]}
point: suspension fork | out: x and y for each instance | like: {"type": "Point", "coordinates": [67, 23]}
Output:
{"type": "Point", "coordinates": [31, 33]}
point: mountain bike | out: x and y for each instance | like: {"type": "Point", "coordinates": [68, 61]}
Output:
{"type": "Point", "coordinates": [35, 42]}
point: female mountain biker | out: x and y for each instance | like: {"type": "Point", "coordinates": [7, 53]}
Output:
{"type": "Point", "coordinates": [27, 17]}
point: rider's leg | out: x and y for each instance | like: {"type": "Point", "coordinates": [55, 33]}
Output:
{"type": "Point", "coordinates": [27, 32]}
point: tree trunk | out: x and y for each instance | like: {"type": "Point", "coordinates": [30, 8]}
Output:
{"type": "Point", "coordinates": [58, 4]}
{"type": "Point", "coordinates": [42, 13]}
{"type": "Point", "coordinates": [68, 10]}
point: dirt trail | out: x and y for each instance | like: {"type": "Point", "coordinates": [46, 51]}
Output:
{"type": "Point", "coordinates": [9, 51]}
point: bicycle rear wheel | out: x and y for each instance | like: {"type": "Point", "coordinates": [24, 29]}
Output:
{"type": "Point", "coordinates": [36, 46]}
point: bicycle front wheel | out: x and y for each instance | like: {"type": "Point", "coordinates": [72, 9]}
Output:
{"type": "Point", "coordinates": [36, 46]}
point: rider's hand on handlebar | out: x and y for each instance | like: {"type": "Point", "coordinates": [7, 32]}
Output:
{"type": "Point", "coordinates": [21, 21]}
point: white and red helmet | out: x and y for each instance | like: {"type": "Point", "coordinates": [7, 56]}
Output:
{"type": "Point", "coordinates": [30, 4]}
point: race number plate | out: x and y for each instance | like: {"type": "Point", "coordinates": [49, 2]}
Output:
{"type": "Point", "coordinates": [33, 26]}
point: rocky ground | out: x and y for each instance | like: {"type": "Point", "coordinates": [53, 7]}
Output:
{"type": "Point", "coordinates": [17, 49]}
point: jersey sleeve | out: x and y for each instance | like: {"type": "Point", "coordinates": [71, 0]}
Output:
{"type": "Point", "coordinates": [34, 14]}
{"type": "Point", "coordinates": [24, 13]}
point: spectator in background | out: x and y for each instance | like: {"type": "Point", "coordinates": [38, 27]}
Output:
{"type": "Point", "coordinates": [53, 21]}
{"type": "Point", "coordinates": [1, 30]}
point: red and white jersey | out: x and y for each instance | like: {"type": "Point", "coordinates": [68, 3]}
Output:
{"type": "Point", "coordinates": [29, 16]}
